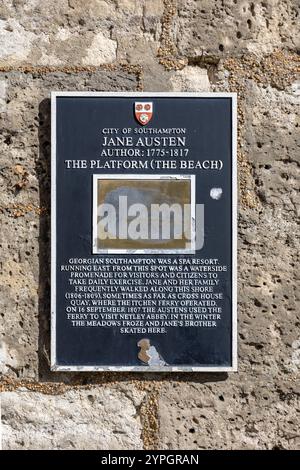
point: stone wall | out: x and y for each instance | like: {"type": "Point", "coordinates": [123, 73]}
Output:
{"type": "Point", "coordinates": [153, 45]}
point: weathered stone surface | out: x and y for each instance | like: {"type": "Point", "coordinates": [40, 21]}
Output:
{"type": "Point", "coordinates": [15, 41]}
{"type": "Point", "coordinates": [25, 209]}
{"type": "Point", "coordinates": [79, 32]}
{"type": "Point", "coordinates": [271, 135]}
{"type": "Point", "coordinates": [99, 418]}
{"type": "Point", "coordinates": [142, 50]}
{"type": "Point", "coordinates": [235, 27]}
{"type": "Point", "coordinates": [101, 50]}
{"type": "Point", "coordinates": [216, 415]}
{"type": "Point", "coordinates": [191, 79]}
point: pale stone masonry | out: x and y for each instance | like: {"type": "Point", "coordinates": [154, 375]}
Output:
{"type": "Point", "coordinates": [153, 45]}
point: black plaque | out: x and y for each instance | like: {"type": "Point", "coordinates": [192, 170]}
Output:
{"type": "Point", "coordinates": [143, 231]}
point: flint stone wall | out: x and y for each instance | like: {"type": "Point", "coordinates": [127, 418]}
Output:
{"type": "Point", "coordinates": [153, 45]}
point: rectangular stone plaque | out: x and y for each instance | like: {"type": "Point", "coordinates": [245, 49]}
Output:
{"type": "Point", "coordinates": [143, 232]}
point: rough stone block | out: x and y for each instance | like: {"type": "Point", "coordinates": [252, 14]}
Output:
{"type": "Point", "coordinates": [98, 418]}
{"type": "Point", "coordinates": [191, 79]}
{"type": "Point", "coordinates": [214, 416]}
{"type": "Point", "coordinates": [235, 27]}
{"type": "Point", "coordinates": [79, 33]}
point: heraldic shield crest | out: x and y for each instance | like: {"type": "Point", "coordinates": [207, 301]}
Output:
{"type": "Point", "coordinates": [143, 112]}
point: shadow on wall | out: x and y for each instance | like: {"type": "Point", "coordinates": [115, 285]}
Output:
{"type": "Point", "coordinates": [43, 171]}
